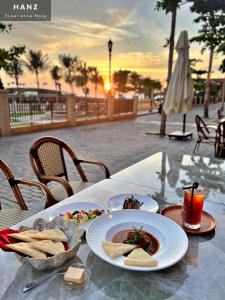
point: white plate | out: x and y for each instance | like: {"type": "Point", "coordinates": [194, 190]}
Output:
{"type": "Point", "coordinates": [172, 238]}
{"type": "Point", "coordinates": [116, 202]}
{"type": "Point", "coordinates": [76, 206]}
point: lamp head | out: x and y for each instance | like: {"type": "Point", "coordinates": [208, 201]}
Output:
{"type": "Point", "coordinates": [110, 45]}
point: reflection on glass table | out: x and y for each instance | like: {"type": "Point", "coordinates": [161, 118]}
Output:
{"type": "Point", "coordinates": [165, 173]}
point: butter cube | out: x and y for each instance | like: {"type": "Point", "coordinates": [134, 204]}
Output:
{"type": "Point", "coordinates": [75, 275]}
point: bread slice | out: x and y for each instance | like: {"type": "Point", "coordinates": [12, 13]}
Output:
{"type": "Point", "coordinates": [48, 246]}
{"type": "Point", "coordinates": [117, 249]}
{"type": "Point", "coordinates": [60, 246]}
{"type": "Point", "coordinates": [24, 235]}
{"type": "Point", "coordinates": [27, 249]}
{"type": "Point", "coordinates": [51, 234]}
{"type": "Point", "coordinates": [139, 257]}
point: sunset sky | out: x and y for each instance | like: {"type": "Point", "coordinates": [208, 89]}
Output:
{"type": "Point", "coordinates": [83, 28]}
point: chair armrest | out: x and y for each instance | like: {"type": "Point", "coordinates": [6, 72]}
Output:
{"type": "Point", "coordinates": [212, 126]}
{"type": "Point", "coordinates": [98, 163]}
{"type": "Point", "coordinates": [62, 181]}
{"type": "Point", "coordinates": [41, 186]}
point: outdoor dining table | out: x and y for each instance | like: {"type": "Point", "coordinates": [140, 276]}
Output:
{"type": "Point", "coordinates": [199, 275]}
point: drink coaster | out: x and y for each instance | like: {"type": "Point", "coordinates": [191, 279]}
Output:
{"type": "Point", "coordinates": [174, 212]}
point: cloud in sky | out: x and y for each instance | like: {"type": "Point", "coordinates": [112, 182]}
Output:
{"type": "Point", "coordinates": [83, 27]}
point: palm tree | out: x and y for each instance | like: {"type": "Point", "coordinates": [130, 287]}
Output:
{"type": "Point", "coordinates": [169, 6]}
{"type": "Point", "coordinates": [15, 70]}
{"type": "Point", "coordinates": [56, 76]}
{"type": "Point", "coordinates": [95, 78]}
{"type": "Point", "coordinates": [102, 84]}
{"type": "Point", "coordinates": [70, 64]}
{"type": "Point", "coordinates": [37, 62]}
{"type": "Point", "coordinates": [81, 80]}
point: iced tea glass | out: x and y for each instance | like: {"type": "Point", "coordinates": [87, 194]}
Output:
{"type": "Point", "coordinates": [192, 209]}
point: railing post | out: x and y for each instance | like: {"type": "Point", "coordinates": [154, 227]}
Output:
{"type": "Point", "coordinates": [51, 110]}
{"type": "Point", "coordinates": [5, 129]}
{"type": "Point", "coordinates": [110, 107]}
{"type": "Point", "coordinates": [71, 109]}
{"type": "Point", "coordinates": [135, 105]}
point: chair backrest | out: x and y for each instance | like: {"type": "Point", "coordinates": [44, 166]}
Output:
{"type": "Point", "coordinates": [13, 184]}
{"type": "Point", "coordinates": [203, 131]}
{"type": "Point", "coordinates": [47, 158]}
{"type": "Point", "coordinates": [219, 114]}
{"type": "Point", "coordinates": [221, 132]}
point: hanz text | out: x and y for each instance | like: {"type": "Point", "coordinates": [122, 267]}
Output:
{"type": "Point", "coordinates": [25, 7]}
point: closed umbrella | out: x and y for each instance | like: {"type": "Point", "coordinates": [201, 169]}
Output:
{"type": "Point", "coordinates": [179, 94]}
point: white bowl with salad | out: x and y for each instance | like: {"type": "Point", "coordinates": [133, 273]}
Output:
{"type": "Point", "coordinates": [83, 212]}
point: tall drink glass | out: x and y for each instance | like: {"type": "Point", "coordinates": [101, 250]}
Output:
{"type": "Point", "coordinates": [192, 209]}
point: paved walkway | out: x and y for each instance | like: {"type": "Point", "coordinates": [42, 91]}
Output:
{"type": "Point", "coordinates": [117, 144]}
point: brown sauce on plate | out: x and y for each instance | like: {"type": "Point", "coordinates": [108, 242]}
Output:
{"type": "Point", "coordinates": [121, 237]}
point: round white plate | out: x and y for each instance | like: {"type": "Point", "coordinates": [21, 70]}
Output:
{"type": "Point", "coordinates": [172, 239]}
{"type": "Point", "coordinates": [116, 202]}
{"type": "Point", "coordinates": [76, 206]}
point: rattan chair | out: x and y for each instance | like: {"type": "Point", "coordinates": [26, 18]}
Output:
{"type": "Point", "coordinates": [206, 134]}
{"type": "Point", "coordinates": [11, 216]}
{"type": "Point", "coordinates": [48, 163]}
{"type": "Point", "coordinates": [220, 139]}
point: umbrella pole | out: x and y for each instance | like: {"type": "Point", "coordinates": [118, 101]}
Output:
{"type": "Point", "coordinates": [184, 122]}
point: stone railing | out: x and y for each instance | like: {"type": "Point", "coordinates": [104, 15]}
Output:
{"type": "Point", "coordinates": [70, 111]}
{"type": "Point", "coordinates": [147, 105]}
{"type": "Point", "coordinates": [200, 100]}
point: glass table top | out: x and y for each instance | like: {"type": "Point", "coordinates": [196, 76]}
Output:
{"type": "Point", "coordinates": [165, 173]}
{"type": "Point", "coordinates": [199, 275]}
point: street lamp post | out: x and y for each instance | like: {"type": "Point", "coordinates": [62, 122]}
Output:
{"type": "Point", "coordinates": [110, 46]}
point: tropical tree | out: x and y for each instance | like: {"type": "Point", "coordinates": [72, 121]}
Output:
{"type": "Point", "coordinates": [3, 53]}
{"type": "Point", "coordinates": [95, 78]}
{"type": "Point", "coordinates": [211, 35]}
{"type": "Point", "coordinates": [70, 64]}
{"type": "Point", "coordinates": [148, 86]}
{"type": "Point", "coordinates": [135, 82]}
{"type": "Point", "coordinates": [56, 76]}
{"type": "Point", "coordinates": [198, 81]}
{"type": "Point", "coordinates": [5, 27]}
{"type": "Point", "coordinates": [82, 78]}
{"type": "Point", "coordinates": [157, 85]}
{"type": "Point", "coordinates": [222, 67]}
{"type": "Point", "coordinates": [169, 6]}
{"type": "Point", "coordinates": [120, 81]}
{"type": "Point", "coordinates": [102, 83]}
{"type": "Point", "coordinates": [9, 61]}
{"type": "Point", "coordinates": [222, 70]}
{"type": "Point", "coordinates": [37, 62]}
{"type": "Point", "coordinates": [15, 70]}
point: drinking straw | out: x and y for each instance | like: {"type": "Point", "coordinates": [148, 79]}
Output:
{"type": "Point", "coordinates": [192, 187]}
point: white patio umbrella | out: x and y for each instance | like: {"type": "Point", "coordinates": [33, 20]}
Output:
{"type": "Point", "coordinates": [179, 95]}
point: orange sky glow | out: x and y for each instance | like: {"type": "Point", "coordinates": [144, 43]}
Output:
{"type": "Point", "coordinates": [137, 30]}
